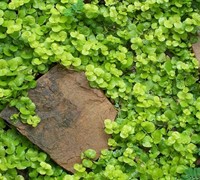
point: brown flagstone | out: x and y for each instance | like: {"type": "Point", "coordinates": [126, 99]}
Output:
{"type": "Point", "coordinates": [72, 116]}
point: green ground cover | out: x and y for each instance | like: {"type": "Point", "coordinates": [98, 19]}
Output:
{"type": "Point", "coordinates": [138, 52]}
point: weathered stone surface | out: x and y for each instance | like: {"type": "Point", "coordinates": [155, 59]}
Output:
{"type": "Point", "coordinates": [196, 50]}
{"type": "Point", "coordinates": [72, 116]}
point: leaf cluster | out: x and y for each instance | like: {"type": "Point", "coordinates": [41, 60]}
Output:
{"type": "Point", "coordinates": [18, 154]}
{"type": "Point", "coordinates": [191, 173]}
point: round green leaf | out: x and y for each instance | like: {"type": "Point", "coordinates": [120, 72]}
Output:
{"type": "Point", "coordinates": [148, 126]}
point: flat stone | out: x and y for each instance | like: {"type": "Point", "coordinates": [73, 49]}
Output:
{"type": "Point", "coordinates": [72, 116]}
{"type": "Point", "coordinates": [196, 50]}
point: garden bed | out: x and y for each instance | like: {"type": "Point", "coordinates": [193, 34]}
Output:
{"type": "Point", "coordinates": [138, 53]}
